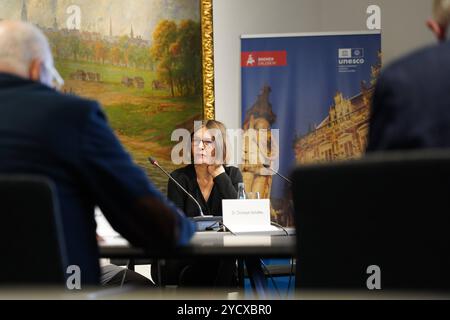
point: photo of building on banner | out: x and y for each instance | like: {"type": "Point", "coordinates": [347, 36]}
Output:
{"type": "Point", "coordinates": [317, 90]}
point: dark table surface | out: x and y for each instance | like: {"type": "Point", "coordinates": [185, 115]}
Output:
{"type": "Point", "coordinates": [220, 244]}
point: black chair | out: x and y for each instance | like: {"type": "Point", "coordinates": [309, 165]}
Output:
{"type": "Point", "coordinates": [388, 210]}
{"type": "Point", "coordinates": [32, 245]}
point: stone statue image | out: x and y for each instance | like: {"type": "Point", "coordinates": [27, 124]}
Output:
{"type": "Point", "coordinates": [259, 147]}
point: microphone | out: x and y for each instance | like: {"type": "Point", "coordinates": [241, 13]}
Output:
{"type": "Point", "coordinates": [202, 217]}
{"type": "Point", "coordinates": [267, 166]}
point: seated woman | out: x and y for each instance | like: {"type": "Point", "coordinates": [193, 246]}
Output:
{"type": "Point", "coordinates": [209, 180]}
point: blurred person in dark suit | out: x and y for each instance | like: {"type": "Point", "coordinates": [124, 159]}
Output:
{"type": "Point", "coordinates": [411, 106]}
{"type": "Point", "coordinates": [68, 140]}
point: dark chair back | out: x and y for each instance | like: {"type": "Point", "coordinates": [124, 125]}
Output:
{"type": "Point", "coordinates": [32, 245]}
{"type": "Point", "coordinates": [387, 210]}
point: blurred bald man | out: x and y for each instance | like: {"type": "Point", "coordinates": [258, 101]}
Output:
{"type": "Point", "coordinates": [68, 140]}
{"type": "Point", "coordinates": [411, 106]}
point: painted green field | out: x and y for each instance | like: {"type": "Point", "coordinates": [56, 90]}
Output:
{"type": "Point", "coordinates": [143, 119]}
{"type": "Point", "coordinates": [110, 73]}
{"type": "Point", "coordinates": [154, 121]}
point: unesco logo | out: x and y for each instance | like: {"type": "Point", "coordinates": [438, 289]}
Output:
{"type": "Point", "coordinates": [349, 56]}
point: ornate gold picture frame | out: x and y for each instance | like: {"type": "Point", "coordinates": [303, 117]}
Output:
{"type": "Point", "coordinates": [206, 8]}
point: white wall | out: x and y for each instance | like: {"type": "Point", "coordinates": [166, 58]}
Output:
{"type": "Point", "coordinates": [403, 29]}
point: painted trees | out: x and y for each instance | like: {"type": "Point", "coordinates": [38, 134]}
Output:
{"type": "Point", "coordinates": [177, 51]}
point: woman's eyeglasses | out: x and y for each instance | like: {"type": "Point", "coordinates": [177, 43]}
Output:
{"type": "Point", "coordinates": [206, 143]}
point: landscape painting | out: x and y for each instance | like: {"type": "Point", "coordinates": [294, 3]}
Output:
{"type": "Point", "coordinates": [141, 59]}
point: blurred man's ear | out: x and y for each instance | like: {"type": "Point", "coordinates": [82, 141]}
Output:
{"type": "Point", "coordinates": [439, 31]}
{"type": "Point", "coordinates": [35, 70]}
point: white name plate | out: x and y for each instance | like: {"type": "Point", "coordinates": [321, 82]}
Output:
{"type": "Point", "coordinates": [247, 215]}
